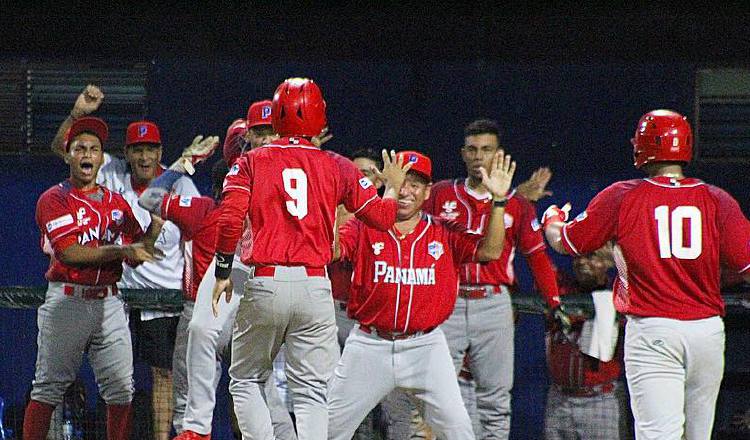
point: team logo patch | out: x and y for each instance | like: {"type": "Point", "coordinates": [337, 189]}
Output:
{"type": "Point", "coordinates": [117, 217]}
{"type": "Point", "coordinates": [413, 158]}
{"type": "Point", "coordinates": [582, 216]}
{"type": "Point", "coordinates": [186, 201]}
{"type": "Point", "coordinates": [435, 249]}
{"type": "Point", "coordinates": [377, 247]}
{"type": "Point", "coordinates": [265, 112]}
{"type": "Point", "coordinates": [142, 130]}
{"type": "Point", "coordinates": [234, 170]}
{"type": "Point", "coordinates": [59, 222]}
{"type": "Point", "coordinates": [508, 220]}
{"type": "Point", "coordinates": [81, 216]}
{"type": "Point", "coordinates": [535, 226]}
{"type": "Point", "coordinates": [365, 183]}
{"type": "Point", "coordinates": [449, 210]}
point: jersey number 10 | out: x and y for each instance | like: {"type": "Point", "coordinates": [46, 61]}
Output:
{"type": "Point", "coordinates": [295, 184]}
{"type": "Point", "coordinates": [671, 236]}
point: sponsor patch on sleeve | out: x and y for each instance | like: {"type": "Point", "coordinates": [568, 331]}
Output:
{"type": "Point", "coordinates": [59, 222]}
{"type": "Point", "coordinates": [365, 183]}
{"type": "Point", "coordinates": [186, 201]}
{"type": "Point", "coordinates": [582, 216]}
{"type": "Point", "coordinates": [234, 170]}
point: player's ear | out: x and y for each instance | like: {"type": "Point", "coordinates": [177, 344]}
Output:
{"type": "Point", "coordinates": [427, 191]}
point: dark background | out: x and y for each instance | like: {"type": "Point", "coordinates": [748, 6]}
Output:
{"type": "Point", "coordinates": [567, 86]}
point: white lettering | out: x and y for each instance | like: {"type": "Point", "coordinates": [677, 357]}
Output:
{"type": "Point", "coordinates": [420, 276]}
{"type": "Point", "coordinates": [59, 222]}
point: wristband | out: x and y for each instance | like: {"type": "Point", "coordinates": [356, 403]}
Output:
{"type": "Point", "coordinates": [500, 203]}
{"type": "Point", "coordinates": [223, 265]}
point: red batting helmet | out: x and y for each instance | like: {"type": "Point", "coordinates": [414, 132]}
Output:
{"type": "Point", "coordinates": [662, 136]}
{"type": "Point", "coordinates": [298, 108]}
{"type": "Point", "coordinates": [234, 141]}
{"type": "Point", "coordinates": [259, 113]}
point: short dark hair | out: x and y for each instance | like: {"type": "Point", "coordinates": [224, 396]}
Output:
{"type": "Point", "coordinates": [482, 126]}
{"type": "Point", "coordinates": [368, 153]}
{"type": "Point", "coordinates": [218, 172]}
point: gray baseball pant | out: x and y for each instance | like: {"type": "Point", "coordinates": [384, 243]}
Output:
{"type": "Point", "coordinates": [289, 307]}
{"type": "Point", "coordinates": [484, 328]}
{"type": "Point", "coordinates": [372, 367]}
{"type": "Point", "coordinates": [201, 342]}
{"type": "Point", "coordinates": [674, 370]}
{"type": "Point", "coordinates": [583, 418]}
{"type": "Point", "coordinates": [69, 326]}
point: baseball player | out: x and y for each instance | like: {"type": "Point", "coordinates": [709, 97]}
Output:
{"type": "Point", "coordinates": [671, 232]}
{"type": "Point", "coordinates": [482, 321]}
{"type": "Point", "coordinates": [585, 398]}
{"type": "Point", "coordinates": [205, 337]}
{"type": "Point", "coordinates": [155, 331]}
{"type": "Point", "coordinates": [289, 298]}
{"type": "Point", "coordinates": [403, 288]}
{"type": "Point", "coordinates": [89, 228]}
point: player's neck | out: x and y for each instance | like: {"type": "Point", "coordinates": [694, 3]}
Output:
{"type": "Point", "coordinates": [406, 227]}
{"type": "Point", "coordinates": [81, 185]}
{"type": "Point", "coordinates": [668, 170]}
{"type": "Point", "coordinates": [476, 184]}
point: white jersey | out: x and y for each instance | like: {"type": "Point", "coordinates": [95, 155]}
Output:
{"type": "Point", "coordinates": [163, 274]}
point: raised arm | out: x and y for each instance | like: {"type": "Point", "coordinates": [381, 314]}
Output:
{"type": "Point", "coordinates": [87, 102]}
{"type": "Point", "coordinates": [497, 182]}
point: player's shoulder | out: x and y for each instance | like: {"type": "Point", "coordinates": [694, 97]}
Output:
{"type": "Point", "coordinates": [721, 195]}
{"type": "Point", "coordinates": [57, 192]}
{"type": "Point", "coordinates": [622, 188]}
{"type": "Point", "coordinates": [443, 186]}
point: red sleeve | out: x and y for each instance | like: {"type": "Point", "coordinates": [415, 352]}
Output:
{"type": "Point", "coordinates": [360, 197]}
{"type": "Point", "coordinates": [734, 232]}
{"type": "Point", "coordinates": [544, 276]}
{"type": "Point", "coordinates": [530, 237]}
{"type": "Point", "coordinates": [186, 212]}
{"type": "Point", "coordinates": [234, 205]}
{"type": "Point", "coordinates": [132, 227]}
{"type": "Point", "coordinates": [463, 243]}
{"type": "Point", "coordinates": [597, 224]}
{"type": "Point", "coordinates": [348, 239]}
{"type": "Point", "coordinates": [55, 220]}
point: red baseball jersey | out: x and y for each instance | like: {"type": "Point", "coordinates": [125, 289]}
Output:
{"type": "Point", "coordinates": [340, 273]}
{"type": "Point", "coordinates": [671, 237]}
{"type": "Point", "coordinates": [290, 191]}
{"type": "Point", "coordinates": [66, 215]}
{"type": "Point", "coordinates": [405, 284]}
{"type": "Point", "coordinates": [454, 200]}
{"type": "Point", "coordinates": [197, 218]}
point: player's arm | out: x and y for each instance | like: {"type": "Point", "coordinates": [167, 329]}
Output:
{"type": "Point", "coordinates": [153, 197]}
{"type": "Point", "coordinates": [497, 181]}
{"type": "Point", "coordinates": [87, 102]}
{"type": "Point", "coordinates": [553, 220]}
{"type": "Point", "coordinates": [76, 255]}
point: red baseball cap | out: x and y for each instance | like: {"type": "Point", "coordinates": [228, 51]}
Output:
{"type": "Point", "coordinates": [142, 132]}
{"type": "Point", "coordinates": [233, 140]}
{"type": "Point", "coordinates": [259, 113]}
{"type": "Point", "coordinates": [87, 124]}
{"type": "Point", "coordinates": [420, 163]}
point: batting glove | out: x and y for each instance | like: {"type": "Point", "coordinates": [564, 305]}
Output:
{"type": "Point", "coordinates": [197, 152]}
{"type": "Point", "coordinates": [555, 214]}
{"type": "Point", "coordinates": [563, 319]}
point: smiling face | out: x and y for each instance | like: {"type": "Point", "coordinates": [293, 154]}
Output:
{"type": "Point", "coordinates": [478, 151]}
{"type": "Point", "coordinates": [414, 192]}
{"type": "Point", "coordinates": [85, 157]}
{"type": "Point", "coordinates": [144, 160]}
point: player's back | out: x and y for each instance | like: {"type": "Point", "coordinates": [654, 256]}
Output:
{"type": "Point", "coordinates": [296, 189]}
{"type": "Point", "coordinates": [669, 233]}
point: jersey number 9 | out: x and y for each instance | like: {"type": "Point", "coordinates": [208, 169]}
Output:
{"type": "Point", "coordinates": [295, 184]}
{"type": "Point", "coordinates": [670, 231]}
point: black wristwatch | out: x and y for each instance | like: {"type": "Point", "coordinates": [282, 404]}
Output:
{"type": "Point", "coordinates": [223, 265]}
{"type": "Point", "coordinates": [500, 203]}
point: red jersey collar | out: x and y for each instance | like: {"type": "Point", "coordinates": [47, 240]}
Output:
{"type": "Point", "coordinates": [79, 191]}
{"type": "Point", "coordinates": [671, 181]}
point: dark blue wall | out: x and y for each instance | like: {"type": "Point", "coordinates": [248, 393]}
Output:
{"type": "Point", "coordinates": [578, 119]}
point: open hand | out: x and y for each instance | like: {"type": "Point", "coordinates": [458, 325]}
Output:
{"type": "Point", "coordinates": [140, 253]}
{"type": "Point", "coordinates": [198, 151]}
{"type": "Point", "coordinates": [535, 188]}
{"type": "Point", "coordinates": [500, 175]}
{"type": "Point", "coordinates": [322, 138]}
{"type": "Point", "coordinates": [394, 171]}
